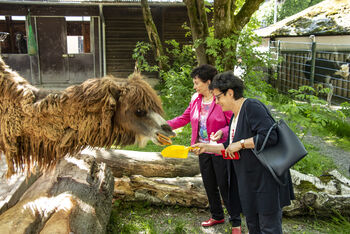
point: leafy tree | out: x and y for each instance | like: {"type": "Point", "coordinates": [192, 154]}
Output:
{"type": "Point", "coordinates": [229, 19]}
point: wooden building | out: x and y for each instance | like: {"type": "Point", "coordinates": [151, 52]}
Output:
{"type": "Point", "coordinates": [321, 31]}
{"type": "Point", "coordinates": [77, 40]}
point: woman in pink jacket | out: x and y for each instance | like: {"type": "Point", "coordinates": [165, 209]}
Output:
{"type": "Point", "coordinates": [209, 122]}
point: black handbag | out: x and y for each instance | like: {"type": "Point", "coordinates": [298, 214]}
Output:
{"type": "Point", "coordinates": [282, 156]}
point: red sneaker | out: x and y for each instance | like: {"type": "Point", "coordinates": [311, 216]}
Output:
{"type": "Point", "coordinates": [211, 222]}
{"type": "Point", "coordinates": [237, 230]}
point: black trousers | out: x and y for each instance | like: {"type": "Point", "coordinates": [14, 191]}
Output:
{"type": "Point", "coordinates": [215, 179]}
{"type": "Point", "coordinates": [265, 223]}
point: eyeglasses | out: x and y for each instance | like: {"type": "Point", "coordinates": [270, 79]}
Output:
{"type": "Point", "coordinates": [218, 96]}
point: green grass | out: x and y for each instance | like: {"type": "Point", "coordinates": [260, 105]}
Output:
{"type": "Point", "coordinates": [136, 217]}
{"type": "Point", "coordinates": [314, 163]}
{"type": "Point", "coordinates": [142, 217]}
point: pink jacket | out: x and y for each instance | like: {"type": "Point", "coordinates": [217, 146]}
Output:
{"type": "Point", "coordinates": [217, 119]}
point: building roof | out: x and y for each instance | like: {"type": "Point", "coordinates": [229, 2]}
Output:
{"type": "Point", "coordinates": [92, 2]}
{"type": "Point", "coordinates": [330, 17]}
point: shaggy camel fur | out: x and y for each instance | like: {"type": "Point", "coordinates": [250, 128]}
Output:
{"type": "Point", "coordinates": [39, 127]}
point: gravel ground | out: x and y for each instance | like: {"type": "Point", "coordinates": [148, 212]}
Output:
{"type": "Point", "coordinates": [341, 158]}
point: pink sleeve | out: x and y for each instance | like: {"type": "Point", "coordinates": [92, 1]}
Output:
{"type": "Point", "coordinates": [181, 120]}
{"type": "Point", "coordinates": [228, 116]}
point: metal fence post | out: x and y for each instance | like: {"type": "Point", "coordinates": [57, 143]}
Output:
{"type": "Point", "coordinates": [279, 65]}
{"type": "Point", "coordinates": [313, 60]}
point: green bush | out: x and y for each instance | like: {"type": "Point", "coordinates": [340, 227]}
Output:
{"type": "Point", "coordinates": [312, 113]}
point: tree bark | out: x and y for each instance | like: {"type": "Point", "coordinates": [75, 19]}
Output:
{"type": "Point", "coordinates": [74, 198]}
{"type": "Point", "coordinates": [148, 164]}
{"type": "Point", "coordinates": [153, 36]}
{"type": "Point", "coordinates": [199, 28]}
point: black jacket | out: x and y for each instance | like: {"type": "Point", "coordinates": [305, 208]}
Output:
{"type": "Point", "coordinates": [257, 191]}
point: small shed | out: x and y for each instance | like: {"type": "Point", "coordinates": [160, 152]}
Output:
{"type": "Point", "coordinates": [81, 39]}
{"type": "Point", "coordinates": [321, 31]}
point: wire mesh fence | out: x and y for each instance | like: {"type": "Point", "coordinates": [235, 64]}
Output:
{"type": "Point", "coordinates": [312, 64]}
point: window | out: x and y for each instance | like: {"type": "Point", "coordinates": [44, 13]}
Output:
{"type": "Point", "coordinates": [16, 41]}
{"type": "Point", "coordinates": [78, 34]}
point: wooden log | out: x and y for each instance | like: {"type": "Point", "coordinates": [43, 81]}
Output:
{"type": "Point", "coordinates": [76, 197]}
{"type": "Point", "coordinates": [313, 195]}
{"type": "Point", "coordinates": [318, 196]}
{"type": "Point", "coordinates": [12, 189]}
{"type": "Point", "coordinates": [183, 191]}
{"type": "Point", "coordinates": [148, 164]}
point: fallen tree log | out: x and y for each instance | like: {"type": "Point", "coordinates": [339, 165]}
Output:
{"type": "Point", "coordinates": [183, 191]}
{"type": "Point", "coordinates": [321, 197]}
{"type": "Point", "coordinates": [11, 190]}
{"type": "Point", "coordinates": [76, 197]}
{"type": "Point", "coordinates": [148, 164]}
{"type": "Point", "coordinates": [313, 196]}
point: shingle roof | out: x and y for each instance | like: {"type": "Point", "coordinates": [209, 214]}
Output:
{"type": "Point", "coordinates": [330, 17]}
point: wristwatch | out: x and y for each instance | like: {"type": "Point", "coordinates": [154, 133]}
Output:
{"type": "Point", "coordinates": [242, 143]}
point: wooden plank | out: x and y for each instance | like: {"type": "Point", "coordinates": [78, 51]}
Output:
{"type": "Point", "coordinates": [125, 27]}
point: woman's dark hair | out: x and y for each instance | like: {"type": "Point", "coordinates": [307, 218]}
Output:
{"type": "Point", "coordinates": [204, 72]}
{"type": "Point", "coordinates": [227, 80]}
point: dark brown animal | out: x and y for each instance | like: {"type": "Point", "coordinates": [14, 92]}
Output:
{"type": "Point", "coordinates": [39, 127]}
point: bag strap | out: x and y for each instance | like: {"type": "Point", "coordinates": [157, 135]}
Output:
{"type": "Point", "coordinates": [266, 138]}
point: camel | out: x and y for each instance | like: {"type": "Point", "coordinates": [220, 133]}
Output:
{"type": "Point", "coordinates": [38, 127]}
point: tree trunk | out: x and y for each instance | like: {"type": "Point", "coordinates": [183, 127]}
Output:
{"type": "Point", "coordinates": [153, 36]}
{"type": "Point", "coordinates": [148, 164]}
{"type": "Point", "coordinates": [199, 28]}
{"type": "Point", "coordinates": [74, 198]}
{"type": "Point", "coordinates": [227, 25]}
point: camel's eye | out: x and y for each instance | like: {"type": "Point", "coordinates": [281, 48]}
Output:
{"type": "Point", "coordinates": [141, 113]}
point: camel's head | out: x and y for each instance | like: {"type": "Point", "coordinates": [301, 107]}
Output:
{"type": "Point", "coordinates": [139, 110]}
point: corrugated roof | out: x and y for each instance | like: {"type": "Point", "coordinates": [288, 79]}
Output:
{"type": "Point", "coordinates": [330, 17]}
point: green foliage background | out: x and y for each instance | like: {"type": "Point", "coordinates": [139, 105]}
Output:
{"type": "Point", "coordinates": [303, 109]}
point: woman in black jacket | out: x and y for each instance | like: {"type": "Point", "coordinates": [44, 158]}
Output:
{"type": "Point", "coordinates": [259, 196]}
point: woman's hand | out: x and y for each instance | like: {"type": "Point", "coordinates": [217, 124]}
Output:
{"type": "Point", "coordinates": [216, 136]}
{"type": "Point", "coordinates": [233, 147]}
{"type": "Point", "coordinates": [199, 148]}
